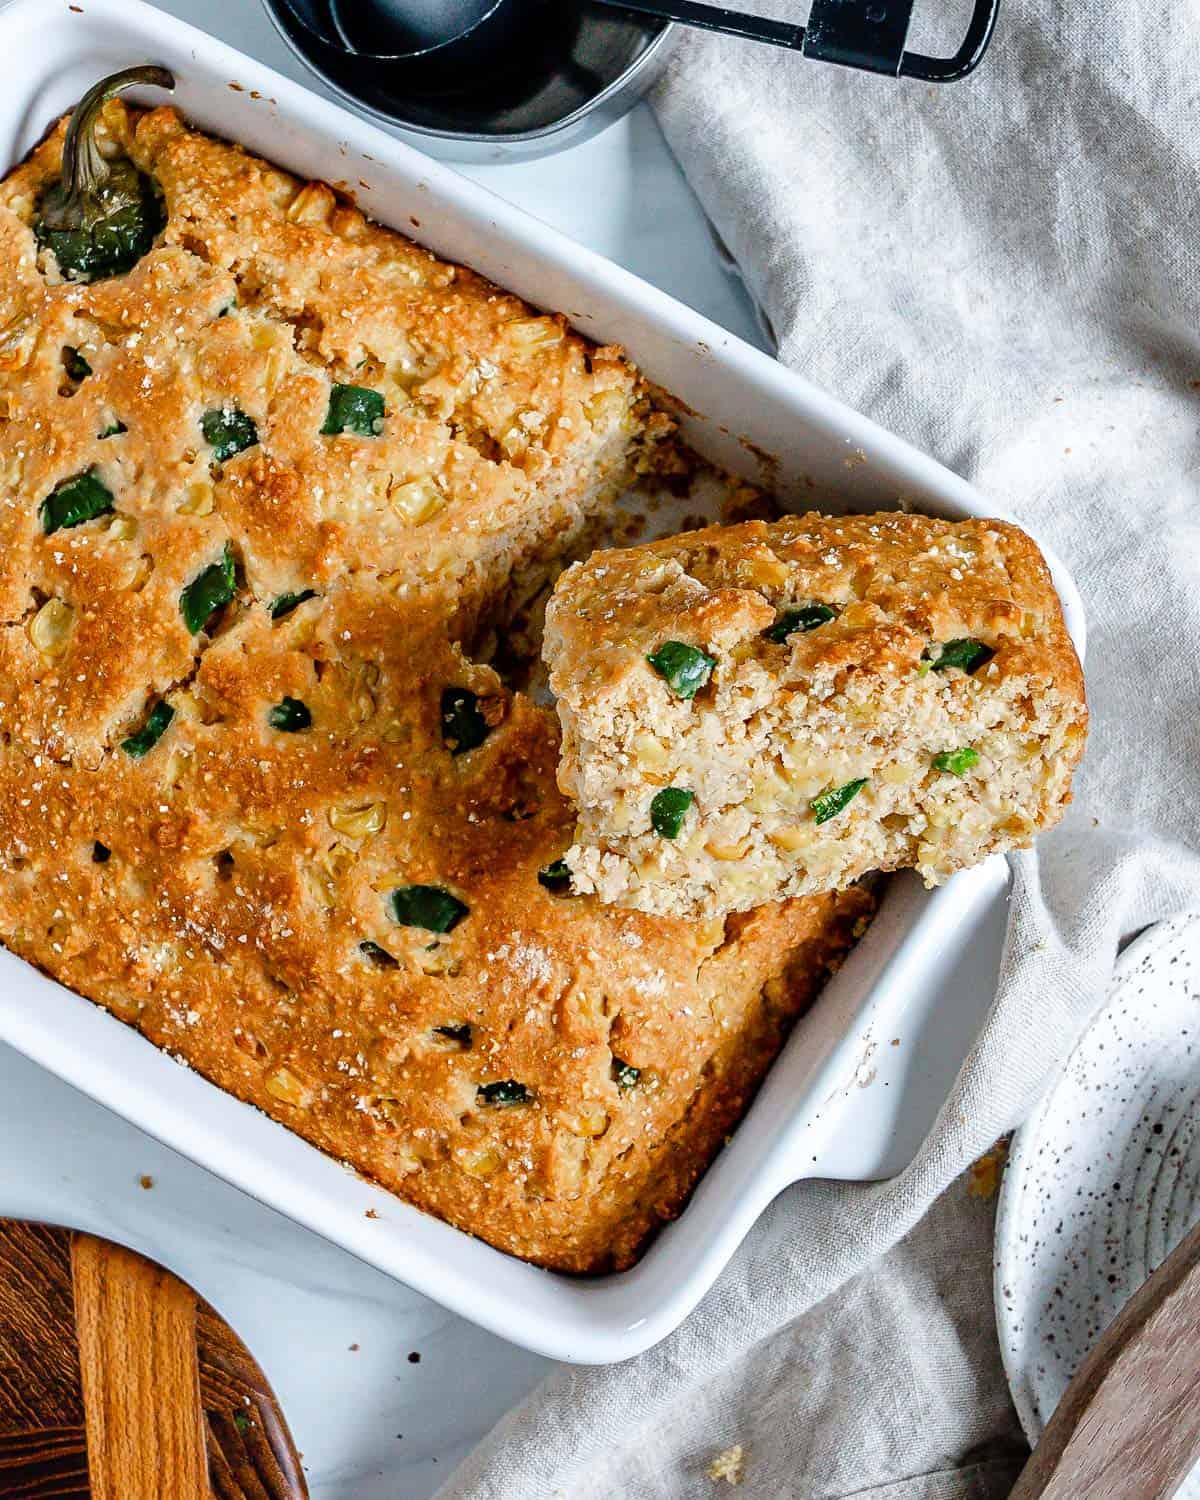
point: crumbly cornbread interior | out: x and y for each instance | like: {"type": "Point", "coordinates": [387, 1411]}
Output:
{"type": "Point", "coordinates": [865, 693]}
{"type": "Point", "coordinates": [259, 496]}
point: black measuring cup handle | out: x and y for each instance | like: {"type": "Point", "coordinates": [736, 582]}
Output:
{"type": "Point", "coordinates": [966, 59]}
{"type": "Point", "coordinates": [870, 34]}
{"type": "Point", "coordinates": [866, 34]}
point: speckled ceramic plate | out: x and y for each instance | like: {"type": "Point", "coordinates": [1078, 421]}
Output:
{"type": "Point", "coordinates": [1104, 1179]}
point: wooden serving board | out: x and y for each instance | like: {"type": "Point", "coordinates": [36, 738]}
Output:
{"type": "Point", "coordinates": [118, 1382]}
{"type": "Point", "coordinates": [1128, 1425]}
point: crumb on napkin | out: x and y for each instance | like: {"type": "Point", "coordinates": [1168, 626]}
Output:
{"type": "Point", "coordinates": [729, 1465]}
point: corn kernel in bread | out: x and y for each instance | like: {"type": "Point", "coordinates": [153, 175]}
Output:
{"type": "Point", "coordinates": [769, 710]}
{"type": "Point", "coordinates": [254, 797]}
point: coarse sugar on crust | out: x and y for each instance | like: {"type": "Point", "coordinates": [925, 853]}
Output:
{"type": "Point", "coordinates": [769, 710]}
{"type": "Point", "coordinates": [300, 839]}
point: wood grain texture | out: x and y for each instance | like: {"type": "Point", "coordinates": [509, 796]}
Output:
{"type": "Point", "coordinates": [1128, 1426]}
{"type": "Point", "coordinates": [136, 1329]}
{"type": "Point", "coordinates": [117, 1382]}
{"type": "Point", "coordinates": [251, 1455]}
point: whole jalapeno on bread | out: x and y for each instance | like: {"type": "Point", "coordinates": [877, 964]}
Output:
{"type": "Point", "coordinates": [103, 214]}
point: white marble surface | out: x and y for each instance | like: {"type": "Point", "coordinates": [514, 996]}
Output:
{"type": "Point", "coordinates": [333, 1336]}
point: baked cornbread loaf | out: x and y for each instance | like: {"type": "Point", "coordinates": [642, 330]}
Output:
{"type": "Point", "coordinates": [768, 710]}
{"type": "Point", "coordinates": [257, 490]}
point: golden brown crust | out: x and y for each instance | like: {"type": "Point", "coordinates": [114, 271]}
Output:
{"type": "Point", "coordinates": [899, 582]}
{"type": "Point", "coordinates": [216, 893]}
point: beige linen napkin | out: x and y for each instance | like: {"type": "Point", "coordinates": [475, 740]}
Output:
{"type": "Point", "coordinates": [1005, 272]}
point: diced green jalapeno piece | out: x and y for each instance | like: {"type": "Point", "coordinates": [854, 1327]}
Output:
{"type": "Point", "coordinates": [957, 762]}
{"type": "Point", "coordinates": [966, 654]}
{"type": "Point", "coordinates": [158, 721]}
{"type": "Point", "coordinates": [283, 606]}
{"type": "Point", "coordinates": [76, 500]}
{"type": "Point", "coordinates": [206, 593]}
{"type": "Point", "coordinates": [101, 853]}
{"type": "Point", "coordinates": [74, 363]}
{"type": "Point", "coordinates": [429, 906]}
{"type": "Point", "coordinates": [830, 803]}
{"type": "Point", "coordinates": [625, 1075]}
{"type": "Point", "coordinates": [114, 429]}
{"type": "Point", "coordinates": [798, 621]}
{"type": "Point", "coordinates": [290, 716]}
{"type": "Point", "coordinates": [460, 1034]}
{"type": "Point", "coordinates": [505, 1094]}
{"type": "Point", "coordinates": [685, 668]}
{"type": "Point", "coordinates": [102, 215]}
{"type": "Point", "coordinates": [556, 878]}
{"type": "Point", "coordinates": [242, 1422]}
{"type": "Point", "coordinates": [463, 726]}
{"type": "Point", "coordinates": [669, 809]}
{"type": "Point", "coordinates": [354, 408]}
{"type": "Point", "coordinates": [228, 430]}
{"type": "Point", "coordinates": [380, 957]}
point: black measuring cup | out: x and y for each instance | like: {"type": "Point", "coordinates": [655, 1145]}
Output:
{"type": "Point", "coordinates": [522, 78]}
{"type": "Point", "coordinates": [454, 39]}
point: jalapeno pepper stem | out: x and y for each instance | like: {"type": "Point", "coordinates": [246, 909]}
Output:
{"type": "Point", "coordinates": [84, 168]}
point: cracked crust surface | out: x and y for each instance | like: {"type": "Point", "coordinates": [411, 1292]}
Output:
{"type": "Point", "coordinates": [217, 893]}
{"type": "Point", "coordinates": [828, 738]}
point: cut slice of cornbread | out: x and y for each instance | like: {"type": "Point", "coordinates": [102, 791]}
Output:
{"type": "Point", "coordinates": [760, 711]}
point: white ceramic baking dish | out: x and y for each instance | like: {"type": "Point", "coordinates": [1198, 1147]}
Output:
{"type": "Point", "coordinates": [811, 1117]}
